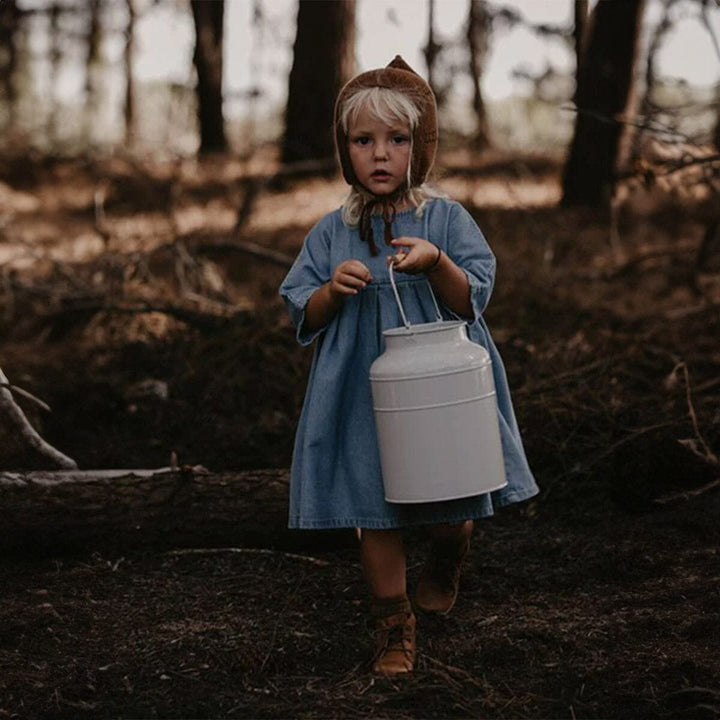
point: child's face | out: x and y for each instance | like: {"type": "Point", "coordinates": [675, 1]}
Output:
{"type": "Point", "coordinates": [379, 153]}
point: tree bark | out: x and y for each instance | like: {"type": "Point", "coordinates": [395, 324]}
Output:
{"type": "Point", "coordinates": [93, 66]}
{"type": "Point", "coordinates": [604, 93]}
{"type": "Point", "coordinates": [581, 16]}
{"type": "Point", "coordinates": [705, 6]}
{"type": "Point", "coordinates": [431, 49]}
{"type": "Point", "coordinates": [55, 56]}
{"type": "Point", "coordinates": [208, 60]}
{"type": "Point", "coordinates": [22, 446]}
{"type": "Point", "coordinates": [323, 60]}
{"type": "Point", "coordinates": [121, 509]}
{"type": "Point", "coordinates": [128, 57]}
{"type": "Point", "coordinates": [478, 30]}
{"type": "Point", "coordinates": [9, 16]}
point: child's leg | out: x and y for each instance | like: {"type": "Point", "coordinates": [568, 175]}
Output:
{"type": "Point", "coordinates": [393, 622]}
{"type": "Point", "coordinates": [446, 532]}
{"type": "Point", "coordinates": [439, 579]}
{"type": "Point", "coordinates": [383, 561]}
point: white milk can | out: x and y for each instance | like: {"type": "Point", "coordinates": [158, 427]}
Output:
{"type": "Point", "coordinates": [435, 412]}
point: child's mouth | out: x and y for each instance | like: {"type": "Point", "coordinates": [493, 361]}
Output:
{"type": "Point", "coordinates": [381, 175]}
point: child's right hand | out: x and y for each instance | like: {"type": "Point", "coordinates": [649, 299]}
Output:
{"type": "Point", "coordinates": [349, 278]}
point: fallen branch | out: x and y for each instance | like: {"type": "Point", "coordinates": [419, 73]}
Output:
{"type": "Point", "coordinates": [676, 314]}
{"type": "Point", "coordinates": [27, 395]}
{"type": "Point", "coordinates": [709, 455]}
{"type": "Point", "coordinates": [686, 495]}
{"type": "Point", "coordinates": [248, 551]}
{"type": "Point", "coordinates": [168, 509]}
{"type": "Point", "coordinates": [42, 479]}
{"type": "Point", "coordinates": [191, 317]}
{"type": "Point", "coordinates": [555, 380]}
{"type": "Point", "coordinates": [31, 450]}
{"type": "Point", "coordinates": [251, 248]}
{"type": "Point", "coordinates": [629, 265]}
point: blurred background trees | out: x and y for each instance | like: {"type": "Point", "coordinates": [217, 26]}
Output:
{"type": "Point", "coordinates": [323, 61]}
{"type": "Point", "coordinates": [208, 61]}
{"type": "Point", "coordinates": [606, 115]}
{"type": "Point", "coordinates": [604, 93]}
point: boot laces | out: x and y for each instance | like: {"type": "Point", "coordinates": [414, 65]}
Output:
{"type": "Point", "coordinates": [397, 636]}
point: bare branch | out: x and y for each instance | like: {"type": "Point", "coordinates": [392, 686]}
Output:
{"type": "Point", "coordinates": [21, 432]}
{"type": "Point", "coordinates": [27, 395]}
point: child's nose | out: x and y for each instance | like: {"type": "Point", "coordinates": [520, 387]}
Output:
{"type": "Point", "coordinates": [381, 149]}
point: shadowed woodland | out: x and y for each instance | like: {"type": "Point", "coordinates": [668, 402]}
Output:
{"type": "Point", "coordinates": [150, 381]}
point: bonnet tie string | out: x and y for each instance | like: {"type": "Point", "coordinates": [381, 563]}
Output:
{"type": "Point", "coordinates": [387, 209]}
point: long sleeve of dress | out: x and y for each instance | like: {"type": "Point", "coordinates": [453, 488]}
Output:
{"type": "Point", "coordinates": [469, 250]}
{"type": "Point", "coordinates": [310, 270]}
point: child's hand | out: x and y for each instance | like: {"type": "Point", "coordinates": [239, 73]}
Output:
{"type": "Point", "coordinates": [349, 278]}
{"type": "Point", "coordinates": [421, 256]}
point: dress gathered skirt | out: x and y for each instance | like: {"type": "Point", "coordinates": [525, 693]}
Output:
{"type": "Point", "coordinates": [336, 478]}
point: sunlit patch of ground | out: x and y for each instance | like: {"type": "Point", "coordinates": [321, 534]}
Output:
{"type": "Point", "coordinates": [519, 193]}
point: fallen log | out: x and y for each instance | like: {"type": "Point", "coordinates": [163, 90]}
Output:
{"type": "Point", "coordinates": [121, 510]}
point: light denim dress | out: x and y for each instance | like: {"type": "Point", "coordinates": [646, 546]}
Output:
{"type": "Point", "coordinates": [336, 480]}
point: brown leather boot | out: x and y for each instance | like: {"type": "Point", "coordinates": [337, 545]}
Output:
{"type": "Point", "coordinates": [439, 579]}
{"type": "Point", "coordinates": [393, 629]}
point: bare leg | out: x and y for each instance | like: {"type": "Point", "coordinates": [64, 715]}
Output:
{"type": "Point", "coordinates": [439, 579]}
{"type": "Point", "coordinates": [383, 561]}
{"type": "Point", "coordinates": [393, 621]}
{"type": "Point", "coordinates": [448, 533]}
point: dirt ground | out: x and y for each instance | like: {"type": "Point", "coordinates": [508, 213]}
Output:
{"type": "Point", "coordinates": [128, 305]}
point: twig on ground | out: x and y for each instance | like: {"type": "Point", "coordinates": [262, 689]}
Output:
{"type": "Point", "coordinates": [709, 455]}
{"type": "Point", "coordinates": [556, 379]}
{"type": "Point", "coordinates": [687, 494]}
{"type": "Point", "coordinates": [248, 551]}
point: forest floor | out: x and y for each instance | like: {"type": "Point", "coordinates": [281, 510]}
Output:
{"type": "Point", "coordinates": [154, 331]}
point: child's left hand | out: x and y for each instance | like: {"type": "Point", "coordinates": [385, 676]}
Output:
{"type": "Point", "coordinates": [420, 257]}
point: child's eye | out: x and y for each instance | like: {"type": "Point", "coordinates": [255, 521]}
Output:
{"type": "Point", "coordinates": [361, 140]}
{"type": "Point", "coordinates": [400, 139]}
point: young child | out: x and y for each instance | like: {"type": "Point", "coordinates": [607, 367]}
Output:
{"type": "Point", "coordinates": [339, 294]}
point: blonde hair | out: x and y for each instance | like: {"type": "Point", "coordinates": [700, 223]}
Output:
{"type": "Point", "coordinates": [386, 105]}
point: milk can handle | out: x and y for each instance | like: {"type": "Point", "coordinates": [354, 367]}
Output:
{"type": "Point", "coordinates": [406, 322]}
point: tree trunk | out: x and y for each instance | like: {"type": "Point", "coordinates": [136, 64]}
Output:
{"type": "Point", "coordinates": [9, 16]}
{"type": "Point", "coordinates": [581, 15]}
{"type": "Point", "coordinates": [129, 78]}
{"type": "Point", "coordinates": [478, 30]}
{"type": "Point", "coordinates": [323, 60]}
{"type": "Point", "coordinates": [432, 49]}
{"type": "Point", "coordinates": [647, 106]}
{"type": "Point", "coordinates": [54, 59]}
{"type": "Point", "coordinates": [705, 5]}
{"type": "Point", "coordinates": [93, 66]}
{"type": "Point", "coordinates": [604, 92]}
{"type": "Point", "coordinates": [208, 60]}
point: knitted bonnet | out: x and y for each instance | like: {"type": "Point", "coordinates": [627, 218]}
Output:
{"type": "Point", "coordinates": [398, 75]}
